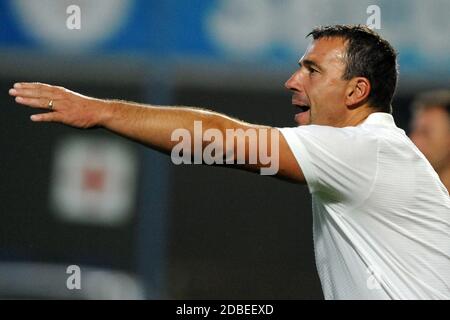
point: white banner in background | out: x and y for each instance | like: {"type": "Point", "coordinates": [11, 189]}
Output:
{"type": "Point", "coordinates": [47, 21]}
{"type": "Point", "coordinates": [253, 27]}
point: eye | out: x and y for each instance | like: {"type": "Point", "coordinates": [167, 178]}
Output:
{"type": "Point", "coordinates": [312, 70]}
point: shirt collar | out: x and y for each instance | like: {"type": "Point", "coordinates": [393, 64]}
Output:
{"type": "Point", "coordinates": [380, 118]}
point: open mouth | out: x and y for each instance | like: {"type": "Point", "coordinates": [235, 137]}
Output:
{"type": "Point", "coordinates": [302, 112]}
{"type": "Point", "coordinates": [302, 107]}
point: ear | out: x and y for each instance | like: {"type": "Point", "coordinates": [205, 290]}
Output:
{"type": "Point", "coordinates": [357, 91]}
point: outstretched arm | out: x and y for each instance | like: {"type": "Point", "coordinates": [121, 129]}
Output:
{"type": "Point", "coordinates": [154, 125]}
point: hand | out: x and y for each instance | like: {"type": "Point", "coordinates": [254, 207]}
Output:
{"type": "Point", "coordinates": [65, 106]}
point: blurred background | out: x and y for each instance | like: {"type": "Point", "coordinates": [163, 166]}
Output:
{"type": "Point", "coordinates": [138, 226]}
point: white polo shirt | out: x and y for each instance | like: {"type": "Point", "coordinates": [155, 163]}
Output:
{"type": "Point", "coordinates": [381, 214]}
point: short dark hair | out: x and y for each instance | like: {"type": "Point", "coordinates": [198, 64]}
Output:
{"type": "Point", "coordinates": [368, 55]}
{"type": "Point", "coordinates": [433, 98]}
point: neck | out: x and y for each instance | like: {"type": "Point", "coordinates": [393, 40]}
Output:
{"type": "Point", "coordinates": [357, 116]}
{"type": "Point", "coordinates": [444, 175]}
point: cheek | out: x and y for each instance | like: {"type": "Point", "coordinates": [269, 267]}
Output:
{"type": "Point", "coordinates": [326, 96]}
{"type": "Point", "coordinates": [432, 147]}
{"type": "Point", "coordinates": [442, 144]}
{"type": "Point", "coordinates": [422, 145]}
{"type": "Point", "coordinates": [329, 92]}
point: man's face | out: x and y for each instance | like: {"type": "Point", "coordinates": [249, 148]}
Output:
{"type": "Point", "coordinates": [431, 134]}
{"type": "Point", "coordinates": [317, 86]}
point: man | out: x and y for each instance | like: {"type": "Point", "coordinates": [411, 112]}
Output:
{"type": "Point", "coordinates": [431, 130]}
{"type": "Point", "coordinates": [381, 214]}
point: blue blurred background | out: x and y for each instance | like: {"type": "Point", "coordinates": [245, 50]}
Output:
{"type": "Point", "coordinates": [137, 225]}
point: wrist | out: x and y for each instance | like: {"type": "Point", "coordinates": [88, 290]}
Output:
{"type": "Point", "coordinates": [105, 111]}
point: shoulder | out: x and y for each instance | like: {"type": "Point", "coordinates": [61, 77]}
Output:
{"type": "Point", "coordinates": [326, 135]}
{"type": "Point", "coordinates": [341, 160]}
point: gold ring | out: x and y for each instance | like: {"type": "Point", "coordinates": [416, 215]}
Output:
{"type": "Point", "coordinates": [50, 105]}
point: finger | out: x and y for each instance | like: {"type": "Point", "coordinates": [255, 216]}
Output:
{"type": "Point", "coordinates": [31, 85]}
{"type": "Point", "coordinates": [33, 90]}
{"type": "Point", "coordinates": [46, 117]}
{"type": "Point", "coordinates": [41, 103]}
{"type": "Point", "coordinates": [31, 93]}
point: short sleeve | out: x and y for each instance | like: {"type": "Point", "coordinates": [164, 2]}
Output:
{"type": "Point", "coordinates": [340, 162]}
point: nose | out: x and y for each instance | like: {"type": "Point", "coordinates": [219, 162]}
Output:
{"type": "Point", "coordinates": [293, 82]}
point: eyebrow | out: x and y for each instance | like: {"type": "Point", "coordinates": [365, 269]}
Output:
{"type": "Point", "coordinates": [309, 63]}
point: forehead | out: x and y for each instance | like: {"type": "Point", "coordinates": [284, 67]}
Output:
{"type": "Point", "coordinates": [433, 116]}
{"type": "Point", "coordinates": [432, 113]}
{"type": "Point", "coordinates": [326, 51]}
